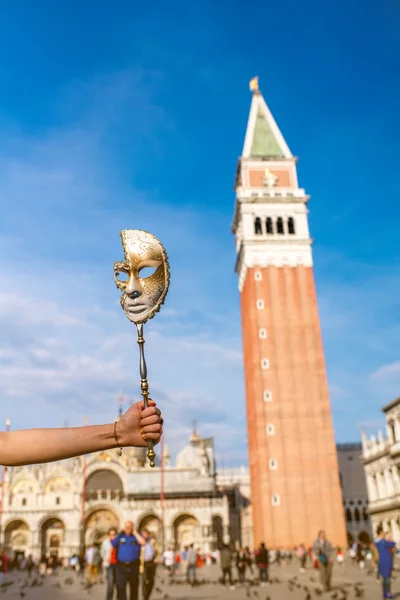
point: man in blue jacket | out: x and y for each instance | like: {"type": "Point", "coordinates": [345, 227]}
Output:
{"type": "Point", "coordinates": [385, 549]}
{"type": "Point", "coordinates": [128, 544]}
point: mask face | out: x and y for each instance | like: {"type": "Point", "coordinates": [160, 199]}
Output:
{"type": "Point", "coordinates": [144, 275]}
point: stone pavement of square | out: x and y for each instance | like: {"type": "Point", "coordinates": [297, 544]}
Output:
{"type": "Point", "coordinates": [343, 583]}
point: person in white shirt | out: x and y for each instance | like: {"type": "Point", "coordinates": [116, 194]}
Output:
{"type": "Point", "coordinates": [149, 564]}
{"type": "Point", "coordinates": [92, 561]}
{"type": "Point", "coordinates": [109, 562]}
{"type": "Point", "coordinates": [168, 557]}
{"type": "Point", "coordinates": [191, 566]}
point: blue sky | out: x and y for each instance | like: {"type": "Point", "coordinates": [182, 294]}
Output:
{"type": "Point", "coordinates": [132, 115]}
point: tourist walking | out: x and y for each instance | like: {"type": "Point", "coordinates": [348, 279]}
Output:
{"type": "Point", "coordinates": [149, 564]}
{"type": "Point", "coordinates": [262, 562]}
{"type": "Point", "coordinates": [385, 547]}
{"type": "Point", "coordinates": [3, 565]}
{"type": "Point", "coordinates": [375, 558]}
{"type": "Point", "coordinates": [323, 552]}
{"type": "Point", "coordinates": [43, 565]}
{"type": "Point", "coordinates": [191, 565]}
{"type": "Point", "coordinates": [360, 554]}
{"type": "Point", "coordinates": [52, 564]}
{"type": "Point", "coordinates": [128, 544]}
{"type": "Point", "coordinates": [241, 564]}
{"type": "Point", "coordinates": [81, 564]}
{"type": "Point", "coordinates": [249, 559]}
{"type": "Point", "coordinates": [30, 565]}
{"type": "Point", "coordinates": [302, 556]}
{"type": "Point", "coordinates": [168, 560]}
{"type": "Point", "coordinates": [109, 558]}
{"type": "Point", "coordinates": [184, 562]}
{"type": "Point", "coordinates": [92, 561]}
{"type": "Point", "coordinates": [226, 565]}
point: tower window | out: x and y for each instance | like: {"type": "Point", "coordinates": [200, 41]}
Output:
{"type": "Point", "coordinates": [257, 226]}
{"type": "Point", "coordinates": [23, 502]}
{"type": "Point", "coordinates": [260, 304]}
{"type": "Point", "coordinates": [276, 500]}
{"type": "Point", "coordinates": [257, 275]}
{"type": "Point", "coordinates": [273, 464]}
{"type": "Point", "coordinates": [279, 225]}
{"type": "Point", "coordinates": [58, 500]}
{"type": "Point", "coordinates": [269, 225]}
{"type": "Point", "coordinates": [270, 429]}
{"type": "Point", "coordinates": [291, 228]}
{"type": "Point", "coordinates": [267, 396]}
{"type": "Point", "coordinates": [265, 364]}
{"type": "Point", "coordinates": [262, 333]}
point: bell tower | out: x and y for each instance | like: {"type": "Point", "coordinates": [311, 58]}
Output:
{"type": "Point", "coordinates": [292, 453]}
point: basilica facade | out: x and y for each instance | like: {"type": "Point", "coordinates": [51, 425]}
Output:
{"type": "Point", "coordinates": [65, 506]}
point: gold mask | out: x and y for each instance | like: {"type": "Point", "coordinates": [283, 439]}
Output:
{"type": "Point", "coordinates": [142, 296]}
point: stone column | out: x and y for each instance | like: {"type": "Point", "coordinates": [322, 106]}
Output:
{"type": "Point", "coordinates": [388, 482]}
{"type": "Point", "coordinates": [74, 538]}
{"type": "Point", "coordinates": [395, 479]}
{"type": "Point", "coordinates": [226, 537]}
{"type": "Point", "coordinates": [169, 535]}
{"type": "Point", "coordinates": [371, 486]}
{"type": "Point", "coordinates": [395, 530]}
{"type": "Point", "coordinates": [381, 486]}
{"type": "Point", "coordinates": [397, 429]}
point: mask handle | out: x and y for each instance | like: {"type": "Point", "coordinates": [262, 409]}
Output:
{"type": "Point", "coordinates": [151, 455]}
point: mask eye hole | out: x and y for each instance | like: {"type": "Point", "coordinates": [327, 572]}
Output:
{"type": "Point", "coordinates": [121, 276]}
{"type": "Point", "coordinates": [146, 272]}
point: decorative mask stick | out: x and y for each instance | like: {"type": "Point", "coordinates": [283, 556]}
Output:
{"type": "Point", "coordinates": [143, 295]}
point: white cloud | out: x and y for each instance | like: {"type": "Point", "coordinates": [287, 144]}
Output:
{"type": "Point", "coordinates": [390, 371]}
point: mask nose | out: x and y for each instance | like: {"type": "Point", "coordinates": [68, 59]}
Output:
{"type": "Point", "coordinates": [133, 289]}
{"type": "Point", "coordinates": [134, 294]}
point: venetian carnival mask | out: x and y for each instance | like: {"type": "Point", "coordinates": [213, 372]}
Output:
{"type": "Point", "coordinates": [144, 275]}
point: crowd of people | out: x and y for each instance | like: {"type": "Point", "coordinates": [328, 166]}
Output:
{"type": "Point", "coordinates": [127, 557]}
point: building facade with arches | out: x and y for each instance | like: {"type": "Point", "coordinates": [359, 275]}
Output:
{"type": "Point", "coordinates": [64, 506]}
{"type": "Point", "coordinates": [381, 459]}
{"type": "Point", "coordinates": [354, 492]}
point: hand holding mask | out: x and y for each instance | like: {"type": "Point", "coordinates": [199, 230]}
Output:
{"type": "Point", "coordinates": [143, 293]}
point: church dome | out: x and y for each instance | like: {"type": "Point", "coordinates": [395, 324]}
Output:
{"type": "Point", "coordinates": [193, 456]}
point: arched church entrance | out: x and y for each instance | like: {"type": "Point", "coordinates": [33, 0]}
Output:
{"type": "Point", "coordinates": [98, 523]}
{"type": "Point", "coordinates": [153, 524]}
{"type": "Point", "coordinates": [16, 538]}
{"type": "Point", "coordinates": [186, 531]}
{"type": "Point", "coordinates": [52, 536]}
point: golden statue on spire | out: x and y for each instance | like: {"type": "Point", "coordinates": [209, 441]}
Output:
{"type": "Point", "coordinates": [254, 85]}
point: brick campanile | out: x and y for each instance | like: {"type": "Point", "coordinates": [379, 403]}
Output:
{"type": "Point", "coordinates": [292, 453]}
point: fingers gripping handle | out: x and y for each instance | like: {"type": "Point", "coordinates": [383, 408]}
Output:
{"type": "Point", "coordinates": [145, 389]}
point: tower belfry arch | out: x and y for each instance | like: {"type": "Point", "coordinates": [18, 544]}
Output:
{"type": "Point", "coordinates": [292, 452]}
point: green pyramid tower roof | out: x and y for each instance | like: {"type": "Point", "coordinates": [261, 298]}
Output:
{"type": "Point", "coordinates": [264, 140]}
